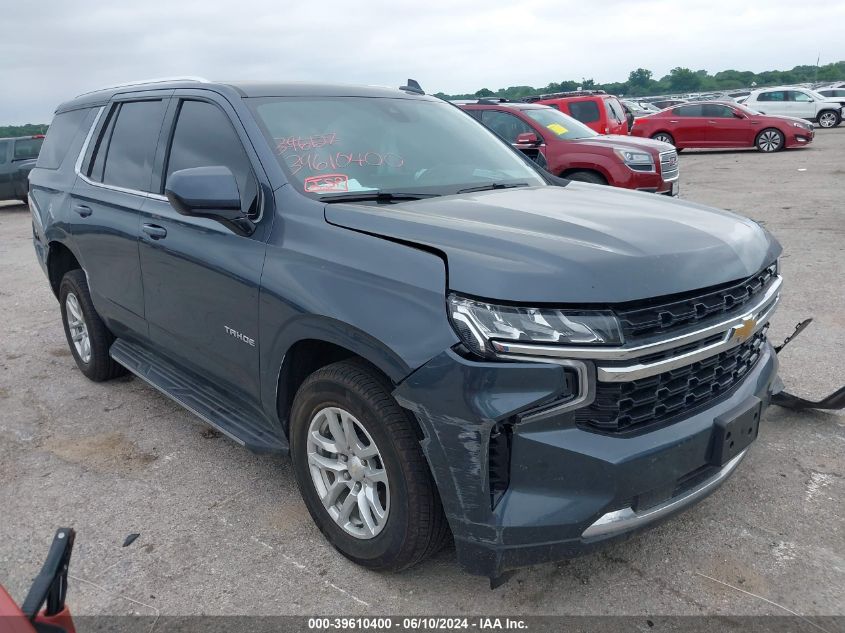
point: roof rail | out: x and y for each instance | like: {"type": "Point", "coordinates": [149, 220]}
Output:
{"type": "Point", "coordinates": [141, 82]}
{"type": "Point", "coordinates": [571, 93]}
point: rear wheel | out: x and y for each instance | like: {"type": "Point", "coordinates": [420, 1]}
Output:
{"type": "Point", "coordinates": [664, 137]}
{"type": "Point", "coordinates": [770, 140]}
{"type": "Point", "coordinates": [586, 176]}
{"type": "Point", "coordinates": [87, 336]}
{"type": "Point", "coordinates": [829, 118]}
{"type": "Point", "coordinates": [362, 474]}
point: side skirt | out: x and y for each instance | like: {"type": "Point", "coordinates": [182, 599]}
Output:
{"type": "Point", "coordinates": [237, 419]}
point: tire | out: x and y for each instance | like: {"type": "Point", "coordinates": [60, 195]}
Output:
{"type": "Point", "coordinates": [770, 140]}
{"type": "Point", "coordinates": [586, 176]}
{"type": "Point", "coordinates": [829, 118]}
{"type": "Point", "coordinates": [80, 317]}
{"type": "Point", "coordinates": [664, 137]}
{"type": "Point", "coordinates": [413, 526]}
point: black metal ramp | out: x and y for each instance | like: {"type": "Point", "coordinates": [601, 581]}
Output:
{"type": "Point", "coordinates": [239, 420]}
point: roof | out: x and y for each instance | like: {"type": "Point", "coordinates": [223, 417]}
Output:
{"type": "Point", "coordinates": [245, 89]}
{"type": "Point", "coordinates": [488, 103]}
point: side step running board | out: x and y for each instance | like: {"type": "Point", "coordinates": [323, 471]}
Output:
{"type": "Point", "coordinates": [238, 420]}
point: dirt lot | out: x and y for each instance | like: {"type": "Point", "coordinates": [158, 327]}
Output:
{"type": "Point", "coordinates": [224, 531]}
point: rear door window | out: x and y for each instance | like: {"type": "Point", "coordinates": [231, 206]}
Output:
{"type": "Point", "coordinates": [195, 145]}
{"type": "Point", "coordinates": [585, 111]}
{"type": "Point", "coordinates": [27, 148]}
{"type": "Point", "coordinates": [125, 153]}
{"type": "Point", "coordinates": [688, 110]}
{"type": "Point", "coordinates": [60, 136]}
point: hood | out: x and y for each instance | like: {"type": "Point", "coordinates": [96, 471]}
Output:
{"type": "Point", "coordinates": [627, 142]}
{"type": "Point", "coordinates": [575, 244]}
{"type": "Point", "coordinates": [783, 117]}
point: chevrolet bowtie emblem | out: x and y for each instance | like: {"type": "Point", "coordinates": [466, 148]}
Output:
{"type": "Point", "coordinates": [743, 332]}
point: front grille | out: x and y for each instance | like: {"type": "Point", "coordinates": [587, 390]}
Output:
{"type": "Point", "coordinates": [669, 165]}
{"type": "Point", "coordinates": [649, 401]}
{"type": "Point", "coordinates": [652, 318]}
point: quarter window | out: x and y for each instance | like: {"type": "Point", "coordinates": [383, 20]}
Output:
{"type": "Point", "coordinates": [204, 137]}
{"type": "Point", "coordinates": [505, 125]}
{"type": "Point", "coordinates": [124, 156]}
{"type": "Point", "coordinates": [585, 111]}
{"type": "Point", "coordinates": [60, 136]}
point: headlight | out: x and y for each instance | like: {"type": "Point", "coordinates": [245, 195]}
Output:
{"type": "Point", "coordinates": [639, 161]}
{"type": "Point", "coordinates": [478, 324]}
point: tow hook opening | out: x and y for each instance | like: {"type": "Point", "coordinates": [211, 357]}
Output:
{"type": "Point", "coordinates": [784, 399]}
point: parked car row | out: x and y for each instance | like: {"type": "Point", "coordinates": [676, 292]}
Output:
{"type": "Point", "coordinates": [17, 158]}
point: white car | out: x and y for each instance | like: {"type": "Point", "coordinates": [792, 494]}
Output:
{"type": "Point", "coordinates": [802, 103]}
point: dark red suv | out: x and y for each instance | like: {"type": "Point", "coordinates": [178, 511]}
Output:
{"type": "Point", "coordinates": [567, 148]}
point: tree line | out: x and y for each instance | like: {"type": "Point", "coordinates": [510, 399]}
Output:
{"type": "Point", "coordinates": [641, 82]}
{"type": "Point", "coordinates": [22, 130]}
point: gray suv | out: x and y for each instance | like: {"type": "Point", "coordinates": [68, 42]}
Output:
{"type": "Point", "coordinates": [445, 339]}
{"type": "Point", "coordinates": [17, 158]}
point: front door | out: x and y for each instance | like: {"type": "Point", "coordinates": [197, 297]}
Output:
{"type": "Point", "coordinates": [725, 128]}
{"type": "Point", "coordinates": [201, 277]}
{"type": "Point", "coordinates": [802, 104]}
{"type": "Point", "coordinates": [114, 181]}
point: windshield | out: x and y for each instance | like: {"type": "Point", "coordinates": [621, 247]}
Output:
{"type": "Point", "coordinates": [563, 126]}
{"type": "Point", "coordinates": [744, 108]}
{"type": "Point", "coordinates": [337, 145]}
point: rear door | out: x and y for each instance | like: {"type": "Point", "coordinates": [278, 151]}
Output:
{"type": "Point", "coordinates": [689, 125]}
{"type": "Point", "coordinates": [6, 185]}
{"type": "Point", "coordinates": [774, 102]}
{"type": "Point", "coordinates": [201, 277]}
{"type": "Point", "coordinates": [114, 181]}
{"type": "Point", "coordinates": [587, 111]}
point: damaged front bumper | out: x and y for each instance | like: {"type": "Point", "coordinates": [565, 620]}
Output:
{"type": "Point", "coordinates": [564, 488]}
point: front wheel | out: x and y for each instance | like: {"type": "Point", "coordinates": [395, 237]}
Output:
{"type": "Point", "coordinates": [360, 469]}
{"type": "Point", "coordinates": [586, 176]}
{"type": "Point", "coordinates": [829, 118]}
{"type": "Point", "coordinates": [770, 140]}
{"type": "Point", "coordinates": [664, 137]}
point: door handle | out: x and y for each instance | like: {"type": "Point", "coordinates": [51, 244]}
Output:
{"type": "Point", "coordinates": [711, 121]}
{"type": "Point", "coordinates": [154, 231]}
{"type": "Point", "coordinates": [672, 121]}
{"type": "Point", "coordinates": [82, 210]}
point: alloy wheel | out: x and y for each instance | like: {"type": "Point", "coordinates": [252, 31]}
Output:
{"type": "Point", "coordinates": [348, 472]}
{"type": "Point", "coordinates": [769, 141]}
{"type": "Point", "coordinates": [665, 138]}
{"type": "Point", "coordinates": [827, 119]}
{"type": "Point", "coordinates": [78, 328]}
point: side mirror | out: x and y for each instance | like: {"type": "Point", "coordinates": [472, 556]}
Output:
{"type": "Point", "coordinates": [738, 114]}
{"type": "Point", "coordinates": [210, 192]}
{"type": "Point", "coordinates": [527, 138]}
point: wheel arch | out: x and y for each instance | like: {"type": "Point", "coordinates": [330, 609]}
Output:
{"type": "Point", "coordinates": [596, 169]}
{"type": "Point", "coordinates": [60, 261]}
{"type": "Point", "coordinates": [314, 343]}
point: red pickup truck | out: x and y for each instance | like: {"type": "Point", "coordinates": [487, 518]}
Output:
{"type": "Point", "coordinates": [569, 149]}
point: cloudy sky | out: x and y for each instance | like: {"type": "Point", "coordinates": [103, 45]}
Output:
{"type": "Point", "coordinates": [51, 50]}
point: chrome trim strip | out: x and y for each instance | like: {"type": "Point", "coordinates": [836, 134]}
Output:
{"type": "Point", "coordinates": [624, 520]}
{"type": "Point", "coordinates": [78, 165]}
{"type": "Point", "coordinates": [625, 353]}
{"type": "Point", "coordinates": [585, 396]}
{"type": "Point", "coordinates": [643, 370]}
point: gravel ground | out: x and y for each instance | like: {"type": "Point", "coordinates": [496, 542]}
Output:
{"type": "Point", "coordinates": [224, 531]}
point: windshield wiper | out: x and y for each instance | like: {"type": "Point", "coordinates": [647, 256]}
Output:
{"type": "Point", "coordinates": [493, 185]}
{"type": "Point", "coordinates": [377, 196]}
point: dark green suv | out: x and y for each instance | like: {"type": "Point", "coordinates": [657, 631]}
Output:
{"type": "Point", "coordinates": [17, 158]}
